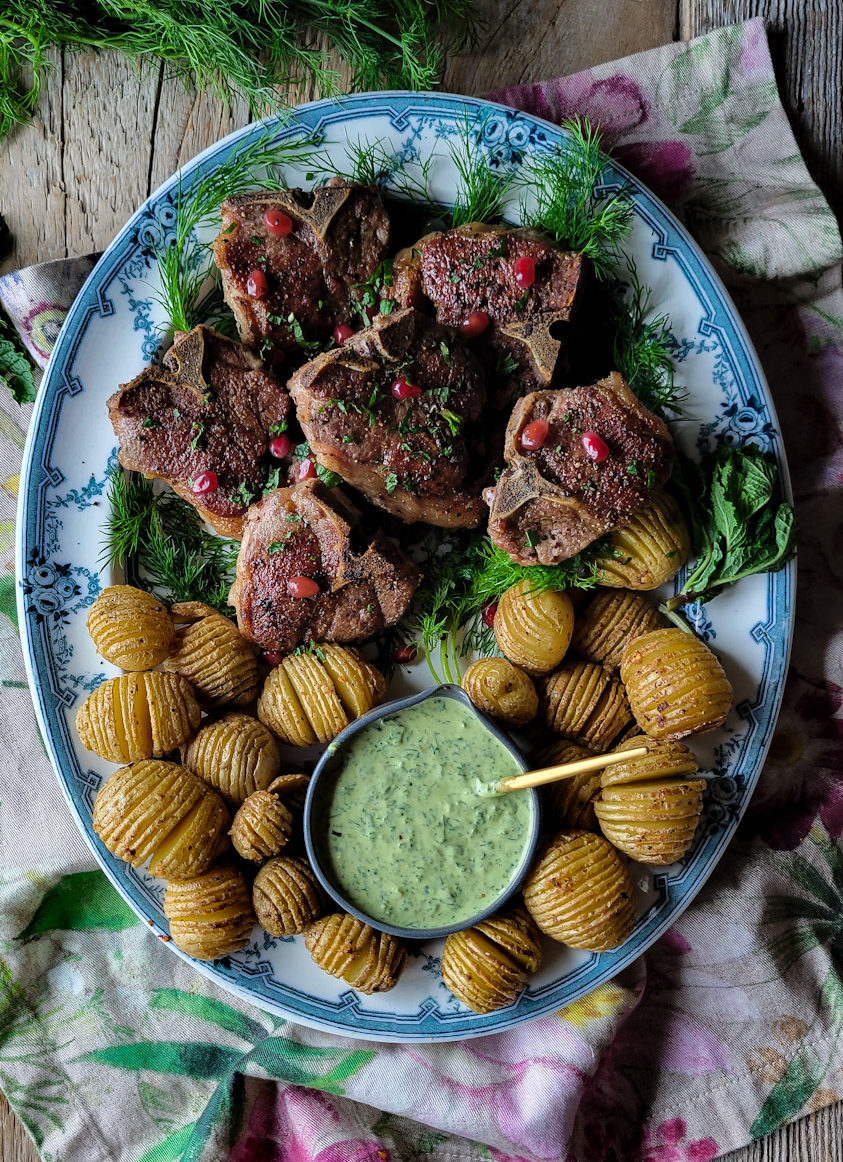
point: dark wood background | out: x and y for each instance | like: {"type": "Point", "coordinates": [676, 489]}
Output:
{"type": "Point", "coordinates": [102, 141]}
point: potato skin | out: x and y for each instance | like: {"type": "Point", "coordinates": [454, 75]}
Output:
{"type": "Point", "coordinates": [676, 686]}
{"type": "Point", "coordinates": [287, 896]}
{"type": "Point", "coordinates": [138, 716]}
{"type": "Point", "coordinates": [210, 914]}
{"type": "Point", "coordinates": [652, 822]}
{"type": "Point", "coordinates": [648, 551]}
{"type": "Point", "coordinates": [262, 827]}
{"type": "Point", "coordinates": [501, 690]}
{"type": "Point", "coordinates": [130, 628]}
{"type": "Point", "coordinates": [487, 966]}
{"type": "Point", "coordinates": [213, 656]}
{"type": "Point", "coordinates": [534, 630]}
{"type": "Point", "coordinates": [368, 960]}
{"type": "Point", "coordinates": [583, 702]}
{"type": "Point", "coordinates": [610, 621]}
{"type": "Point", "coordinates": [236, 754]}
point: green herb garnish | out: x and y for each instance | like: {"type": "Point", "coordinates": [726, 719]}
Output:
{"type": "Point", "coordinates": [391, 482]}
{"type": "Point", "coordinates": [643, 348]}
{"type": "Point", "coordinates": [329, 479]}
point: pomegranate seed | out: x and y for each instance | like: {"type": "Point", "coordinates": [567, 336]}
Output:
{"type": "Point", "coordinates": [302, 587]}
{"type": "Point", "coordinates": [402, 655]}
{"type": "Point", "coordinates": [272, 657]}
{"type": "Point", "coordinates": [401, 389]}
{"type": "Point", "coordinates": [280, 446]}
{"type": "Point", "coordinates": [525, 271]}
{"type": "Point", "coordinates": [342, 333]}
{"type": "Point", "coordinates": [370, 312]}
{"type": "Point", "coordinates": [278, 223]}
{"type": "Point", "coordinates": [535, 434]}
{"type": "Point", "coordinates": [204, 482]}
{"type": "Point", "coordinates": [475, 324]}
{"type": "Point", "coordinates": [306, 470]}
{"type": "Point", "coordinates": [489, 612]}
{"type": "Point", "coordinates": [596, 447]}
{"type": "Point", "coordinates": [256, 285]}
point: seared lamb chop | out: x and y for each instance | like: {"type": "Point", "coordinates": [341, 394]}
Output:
{"type": "Point", "coordinates": [301, 541]}
{"type": "Point", "coordinates": [395, 412]}
{"type": "Point", "coordinates": [202, 422]}
{"type": "Point", "coordinates": [563, 487]}
{"type": "Point", "coordinates": [513, 278]}
{"type": "Point", "coordinates": [292, 260]}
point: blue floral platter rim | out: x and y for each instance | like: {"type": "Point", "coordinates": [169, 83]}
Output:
{"type": "Point", "coordinates": [58, 576]}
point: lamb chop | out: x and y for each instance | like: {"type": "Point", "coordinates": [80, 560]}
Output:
{"type": "Point", "coordinates": [505, 287]}
{"type": "Point", "coordinates": [395, 412]}
{"type": "Point", "coordinates": [292, 261]}
{"type": "Point", "coordinates": [203, 422]}
{"type": "Point", "coordinates": [308, 571]}
{"type": "Point", "coordinates": [580, 462]}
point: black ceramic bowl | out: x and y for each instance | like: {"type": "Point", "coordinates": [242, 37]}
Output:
{"type": "Point", "coordinates": [318, 797]}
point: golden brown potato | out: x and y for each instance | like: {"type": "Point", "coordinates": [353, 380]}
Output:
{"type": "Point", "coordinates": [501, 690]}
{"type": "Point", "coordinates": [237, 755]}
{"type": "Point", "coordinates": [663, 760]}
{"type": "Point", "coordinates": [138, 716]}
{"type": "Point", "coordinates": [579, 892]}
{"type": "Point", "coordinates": [487, 966]}
{"type": "Point", "coordinates": [307, 700]}
{"type": "Point", "coordinates": [585, 704]}
{"type": "Point", "coordinates": [262, 827]}
{"type": "Point", "coordinates": [609, 622]}
{"type": "Point", "coordinates": [210, 652]}
{"type": "Point", "coordinates": [568, 803]}
{"type": "Point", "coordinates": [651, 822]}
{"type": "Point", "coordinates": [160, 812]}
{"type": "Point", "coordinates": [649, 550]}
{"type": "Point", "coordinates": [291, 790]}
{"type": "Point", "coordinates": [286, 896]}
{"type": "Point", "coordinates": [534, 629]}
{"type": "Point", "coordinates": [675, 684]}
{"type": "Point", "coordinates": [342, 945]}
{"type": "Point", "coordinates": [210, 914]}
{"type": "Point", "coordinates": [130, 628]}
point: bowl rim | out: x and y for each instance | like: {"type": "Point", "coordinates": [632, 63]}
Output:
{"type": "Point", "coordinates": [444, 690]}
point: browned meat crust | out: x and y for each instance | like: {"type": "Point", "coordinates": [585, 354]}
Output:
{"type": "Point", "coordinates": [419, 458]}
{"type": "Point", "coordinates": [551, 503]}
{"type": "Point", "coordinates": [340, 235]}
{"type": "Point", "coordinates": [209, 408]}
{"type": "Point", "coordinates": [311, 531]}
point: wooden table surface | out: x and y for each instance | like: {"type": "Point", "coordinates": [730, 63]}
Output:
{"type": "Point", "coordinates": [101, 142]}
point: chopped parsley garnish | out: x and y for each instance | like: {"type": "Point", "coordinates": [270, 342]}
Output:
{"type": "Point", "coordinates": [276, 547]}
{"type": "Point", "coordinates": [651, 479]}
{"type": "Point", "coordinates": [302, 451]}
{"type": "Point", "coordinates": [506, 366]}
{"type": "Point", "coordinates": [391, 482]}
{"type": "Point", "coordinates": [348, 439]}
{"type": "Point", "coordinates": [532, 538]}
{"type": "Point", "coordinates": [453, 421]}
{"type": "Point", "coordinates": [446, 353]}
{"type": "Point", "coordinates": [329, 479]}
{"type": "Point", "coordinates": [292, 517]}
{"type": "Point", "coordinates": [198, 428]}
{"type": "Point", "coordinates": [273, 481]}
{"type": "Point", "coordinates": [151, 422]}
{"type": "Point", "coordinates": [244, 493]}
{"type": "Point", "coordinates": [632, 468]}
{"type": "Point", "coordinates": [521, 302]}
{"type": "Point", "coordinates": [454, 276]}
{"type": "Point", "coordinates": [278, 429]}
{"type": "Point", "coordinates": [230, 229]}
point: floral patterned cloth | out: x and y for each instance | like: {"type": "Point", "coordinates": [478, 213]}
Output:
{"type": "Point", "coordinates": [112, 1049]}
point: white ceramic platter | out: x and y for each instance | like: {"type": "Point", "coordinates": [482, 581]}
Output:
{"type": "Point", "coordinates": [114, 330]}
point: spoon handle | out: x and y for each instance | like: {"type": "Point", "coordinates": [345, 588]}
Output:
{"type": "Point", "coordinates": [568, 770]}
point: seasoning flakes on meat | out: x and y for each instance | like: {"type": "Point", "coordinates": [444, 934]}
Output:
{"type": "Point", "coordinates": [504, 287]}
{"type": "Point", "coordinates": [292, 261]}
{"type": "Point", "coordinates": [580, 462]}
{"type": "Point", "coordinates": [396, 412]}
{"type": "Point", "coordinates": [203, 423]}
{"type": "Point", "coordinates": [307, 570]}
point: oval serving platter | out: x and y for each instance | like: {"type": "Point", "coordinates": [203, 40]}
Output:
{"type": "Point", "coordinates": [114, 329]}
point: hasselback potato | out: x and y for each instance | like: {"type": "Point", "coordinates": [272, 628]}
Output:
{"type": "Point", "coordinates": [653, 822]}
{"type": "Point", "coordinates": [210, 914]}
{"type": "Point", "coordinates": [138, 716]}
{"type": "Point", "coordinates": [664, 759]}
{"type": "Point", "coordinates": [160, 812]}
{"type": "Point", "coordinates": [309, 697]}
{"type": "Point", "coordinates": [608, 624]}
{"type": "Point", "coordinates": [210, 652]}
{"type": "Point", "coordinates": [675, 684]}
{"type": "Point", "coordinates": [236, 754]}
{"type": "Point", "coordinates": [487, 966]}
{"type": "Point", "coordinates": [262, 826]}
{"type": "Point", "coordinates": [534, 629]}
{"type": "Point", "coordinates": [286, 896]}
{"type": "Point", "coordinates": [568, 803]}
{"type": "Point", "coordinates": [579, 892]}
{"type": "Point", "coordinates": [501, 690]}
{"type": "Point", "coordinates": [647, 551]}
{"type": "Point", "coordinates": [342, 945]}
{"type": "Point", "coordinates": [130, 628]}
{"type": "Point", "coordinates": [583, 702]}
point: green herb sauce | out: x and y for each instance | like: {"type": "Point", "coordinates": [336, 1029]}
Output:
{"type": "Point", "coordinates": [413, 836]}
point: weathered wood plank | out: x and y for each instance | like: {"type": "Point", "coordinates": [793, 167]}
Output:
{"type": "Point", "coordinates": [15, 1143]}
{"type": "Point", "coordinates": [806, 41]}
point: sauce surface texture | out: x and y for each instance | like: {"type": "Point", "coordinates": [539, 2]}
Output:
{"type": "Point", "coordinates": [412, 840]}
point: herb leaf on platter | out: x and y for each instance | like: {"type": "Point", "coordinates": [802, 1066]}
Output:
{"type": "Point", "coordinates": [163, 537]}
{"type": "Point", "coordinates": [482, 191]}
{"type": "Point", "coordinates": [739, 523]}
{"type": "Point", "coordinates": [643, 348]}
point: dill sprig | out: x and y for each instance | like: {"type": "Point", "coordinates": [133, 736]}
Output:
{"type": "Point", "coordinates": [643, 347]}
{"type": "Point", "coordinates": [185, 265]}
{"type": "Point", "coordinates": [482, 191]}
{"type": "Point", "coordinates": [159, 537]}
{"type": "Point", "coordinates": [568, 202]}
{"type": "Point", "coordinates": [253, 49]}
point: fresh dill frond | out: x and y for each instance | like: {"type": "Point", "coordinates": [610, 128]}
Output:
{"type": "Point", "coordinates": [160, 540]}
{"type": "Point", "coordinates": [568, 202]}
{"type": "Point", "coordinates": [497, 572]}
{"type": "Point", "coordinates": [482, 191]}
{"type": "Point", "coordinates": [643, 348]}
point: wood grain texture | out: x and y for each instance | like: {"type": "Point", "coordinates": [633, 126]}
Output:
{"type": "Point", "coordinates": [806, 42]}
{"type": "Point", "coordinates": [101, 142]}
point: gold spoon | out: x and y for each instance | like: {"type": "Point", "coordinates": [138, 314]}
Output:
{"type": "Point", "coordinates": [568, 770]}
